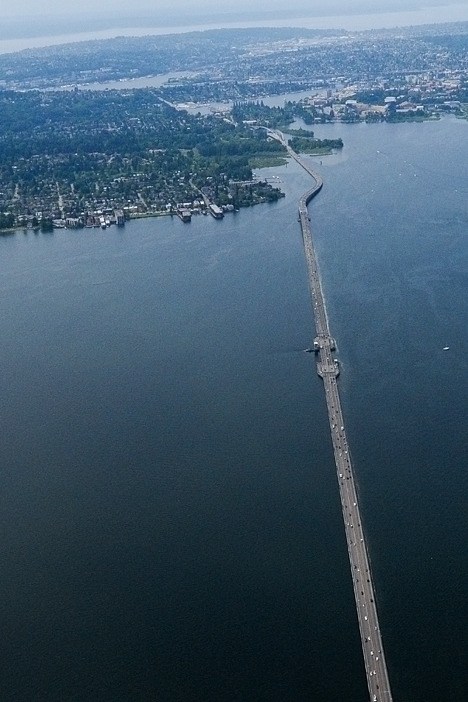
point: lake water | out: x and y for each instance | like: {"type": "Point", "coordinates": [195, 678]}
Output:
{"type": "Point", "coordinates": [132, 83]}
{"type": "Point", "coordinates": [191, 107]}
{"type": "Point", "coordinates": [270, 100]}
{"type": "Point", "coordinates": [171, 524]}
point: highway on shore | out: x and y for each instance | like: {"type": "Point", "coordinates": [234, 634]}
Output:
{"type": "Point", "coordinates": [328, 369]}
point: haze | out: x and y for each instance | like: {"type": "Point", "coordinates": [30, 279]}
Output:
{"type": "Point", "coordinates": [34, 23]}
{"type": "Point", "coordinates": [180, 8]}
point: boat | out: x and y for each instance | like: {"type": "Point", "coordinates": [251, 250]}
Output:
{"type": "Point", "coordinates": [446, 348]}
{"type": "Point", "coordinates": [216, 211]}
{"type": "Point", "coordinates": [184, 214]}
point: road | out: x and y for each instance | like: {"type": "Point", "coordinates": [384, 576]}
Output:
{"type": "Point", "coordinates": [328, 369]}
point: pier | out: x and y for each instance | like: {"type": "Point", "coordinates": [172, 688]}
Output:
{"type": "Point", "coordinates": [328, 369]}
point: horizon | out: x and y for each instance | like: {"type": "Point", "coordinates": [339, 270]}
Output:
{"type": "Point", "coordinates": [25, 32]}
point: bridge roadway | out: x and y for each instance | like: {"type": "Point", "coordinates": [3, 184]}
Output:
{"type": "Point", "coordinates": [374, 658]}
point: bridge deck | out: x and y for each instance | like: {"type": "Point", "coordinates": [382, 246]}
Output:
{"type": "Point", "coordinates": [374, 658]}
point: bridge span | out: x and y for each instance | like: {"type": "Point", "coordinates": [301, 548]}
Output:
{"type": "Point", "coordinates": [328, 369]}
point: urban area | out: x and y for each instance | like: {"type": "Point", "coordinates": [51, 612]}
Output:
{"type": "Point", "coordinates": [83, 145]}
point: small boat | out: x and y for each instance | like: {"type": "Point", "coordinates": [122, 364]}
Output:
{"type": "Point", "coordinates": [446, 348]}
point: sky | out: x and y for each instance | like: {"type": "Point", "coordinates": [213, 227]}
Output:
{"type": "Point", "coordinates": [25, 8]}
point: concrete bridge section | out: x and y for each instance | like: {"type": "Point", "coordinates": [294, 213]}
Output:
{"type": "Point", "coordinates": [328, 369]}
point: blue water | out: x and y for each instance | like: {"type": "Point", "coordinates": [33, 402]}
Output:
{"type": "Point", "coordinates": [171, 525]}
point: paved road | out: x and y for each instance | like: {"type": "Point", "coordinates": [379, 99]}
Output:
{"type": "Point", "coordinates": [328, 369]}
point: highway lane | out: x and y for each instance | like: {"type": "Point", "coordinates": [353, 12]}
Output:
{"type": "Point", "coordinates": [371, 640]}
{"type": "Point", "coordinates": [328, 368]}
